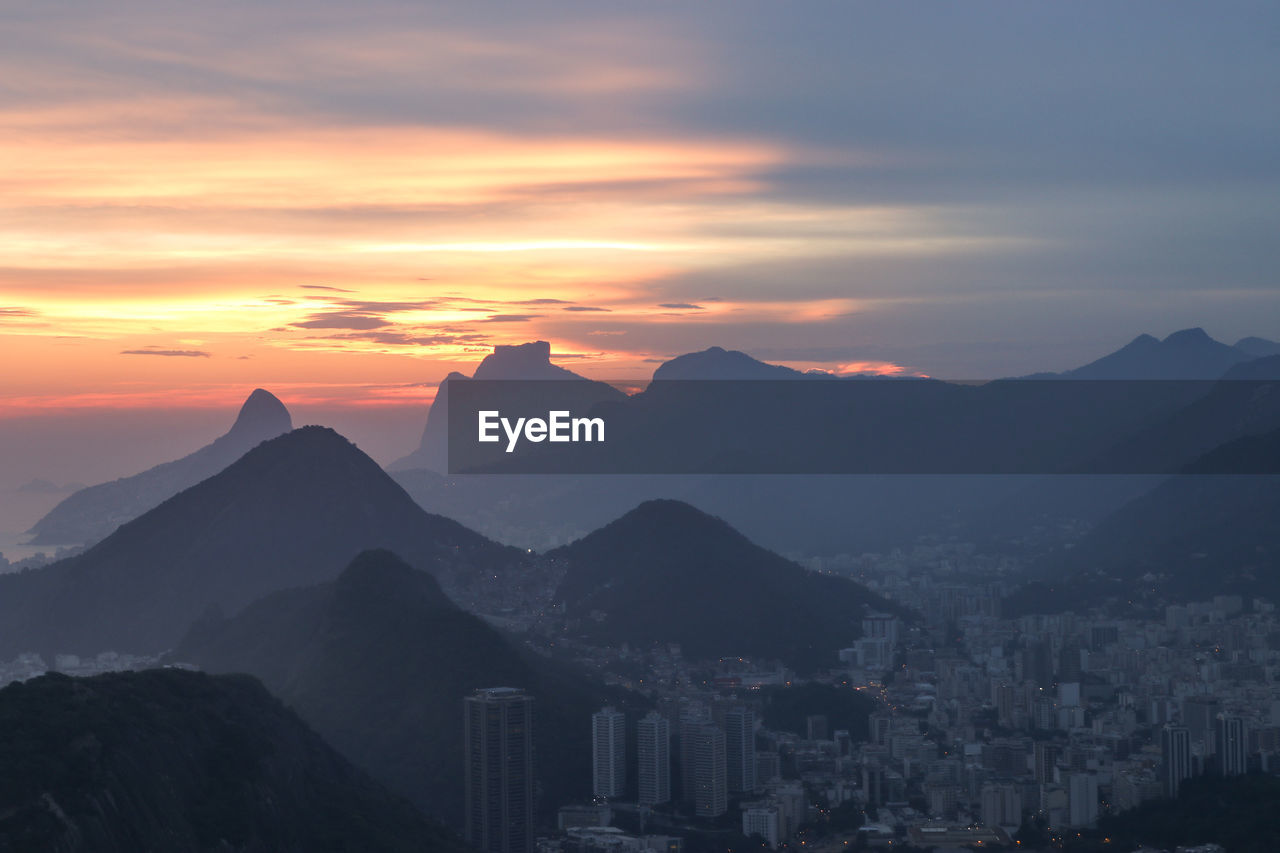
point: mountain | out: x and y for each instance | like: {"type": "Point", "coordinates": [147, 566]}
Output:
{"type": "Point", "coordinates": [379, 660]}
{"type": "Point", "coordinates": [292, 511]}
{"type": "Point", "coordinates": [90, 514]}
{"type": "Point", "coordinates": [1258, 347]}
{"type": "Point", "coordinates": [529, 361]}
{"type": "Point", "coordinates": [1197, 535]}
{"type": "Point", "coordinates": [667, 572]}
{"type": "Point", "coordinates": [719, 363]}
{"type": "Point", "coordinates": [1188, 354]}
{"type": "Point", "coordinates": [1244, 402]}
{"type": "Point", "coordinates": [182, 761]}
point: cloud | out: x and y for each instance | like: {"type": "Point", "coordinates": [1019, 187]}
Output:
{"type": "Point", "coordinates": [510, 318]}
{"type": "Point", "coordinates": [583, 308]}
{"type": "Point", "coordinates": [540, 302]}
{"type": "Point", "coordinates": [325, 287]}
{"type": "Point", "coordinates": [410, 339]}
{"type": "Point", "coordinates": [681, 305]}
{"type": "Point", "coordinates": [16, 312]}
{"type": "Point", "coordinates": [178, 353]}
{"type": "Point", "coordinates": [342, 320]}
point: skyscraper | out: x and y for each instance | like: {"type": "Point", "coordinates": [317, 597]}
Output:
{"type": "Point", "coordinates": [1082, 799]}
{"type": "Point", "coordinates": [1233, 745]}
{"type": "Point", "coordinates": [653, 754]}
{"type": "Point", "coordinates": [608, 753]}
{"type": "Point", "coordinates": [498, 770]}
{"type": "Point", "coordinates": [1175, 752]}
{"type": "Point", "coordinates": [740, 749]}
{"type": "Point", "coordinates": [705, 747]}
{"type": "Point", "coordinates": [1199, 714]}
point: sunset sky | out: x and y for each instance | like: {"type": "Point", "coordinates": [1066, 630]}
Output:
{"type": "Point", "coordinates": [341, 202]}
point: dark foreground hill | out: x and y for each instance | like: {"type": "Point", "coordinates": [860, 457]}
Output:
{"type": "Point", "coordinates": [181, 761]}
{"type": "Point", "coordinates": [667, 572]}
{"type": "Point", "coordinates": [379, 662]}
{"type": "Point", "coordinates": [1236, 812]}
{"type": "Point", "coordinates": [293, 511]}
{"type": "Point", "coordinates": [92, 513]}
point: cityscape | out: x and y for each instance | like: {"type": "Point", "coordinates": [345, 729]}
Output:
{"type": "Point", "coordinates": [577, 427]}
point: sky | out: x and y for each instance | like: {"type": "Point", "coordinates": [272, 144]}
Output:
{"type": "Point", "coordinates": [342, 202]}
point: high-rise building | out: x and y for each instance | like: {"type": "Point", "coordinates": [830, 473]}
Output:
{"type": "Point", "coordinates": [740, 749]}
{"type": "Point", "coordinates": [1175, 753]}
{"type": "Point", "coordinates": [498, 770]}
{"type": "Point", "coordinates": [1232, 746]}
{"type": "Point", "coordinates": [705, 746]}
{"type": "Point", "coordinates": [1046, 758]}
{"type": "Point", "coordinates": [1082, 799]}
{"type": "Point", "coordinates": [1001, 805]}
{"type": "Point", "coordinates": [691, 715]}
{"type": "Point", "coordinates": [608, 753]}
{"type": "Point", "coordinates": [1199, 714]}
{"type": "Point", "coordinates": [653, 754]}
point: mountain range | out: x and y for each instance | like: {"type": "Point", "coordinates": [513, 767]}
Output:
{"type": "Point", "coordinates": [1185, 354]}
{"type": "Point", "coordinates": [90, 514]}
{"type": "Point", "coordinates": [292, 511]}
{"type": "Point", "coordinates": [183, 761]}
{"type": "Point", "coordinates": [379, 661]}
{"type": "Point", "coordinates": [529, 361]}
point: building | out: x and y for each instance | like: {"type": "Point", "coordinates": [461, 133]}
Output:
{"type": "Point", "coordinates": [498, 770]}
{"type": "Point", "coordinates": [1175, 754]}
{"type": "Point", "coordinates": [706, 749]}
{"type": "Point", "coordinates": [1082, 799]}
{"type": "Point", "coordinates": [764, 820]}
{"type": "Point", "coordinates": [595, 814]}
{"type": "Point", "coordinates": [1199, 715]}
{"type": "Point", "coordinates": [653, 755]}
{"type": "Point", "coordinates": [1232, 745]}
{"type": "Point", "coordinates": [608, 753]}
{"type": "Point", "coordinates": [1001, 805]}
{"type": "Point", "coordinates": [1046, 760]}
{"type": "Point", "coordinates": [740, 749]}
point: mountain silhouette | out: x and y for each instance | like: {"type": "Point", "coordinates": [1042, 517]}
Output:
{"type": "Point", "coordinates": [1197, 534]}
{"type": "Point", "coordinates": [292, 511]}
{"type": "Point", "coordinates": [515, 361]}
{"type": "Point", "coordinates": [1187, 354]}
{"type": "Point", "coordinates": [1258, 347]}
{"type": "Point", "coordinates": [175, 760]}
{"type": "Point", "coordinates": [88, 515]}
{"type": "Point", "coordinates": [719, 363]}
{"type": "Point", "coordinates": [667, 572]}
{"type": "Point", "coordinates": [379, 660]}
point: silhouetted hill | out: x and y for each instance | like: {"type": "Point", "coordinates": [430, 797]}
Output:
{"type": "Point", "coordinates": [719, 363]}
{"type": "Point", "coordinates": [182, 761]}
{"type": "Point", "coordinates": [379, 662]}
{"type": "Point", "coordinates": [516, 361]}
{"type": "Point", "coordinates": [1246, 401]}
{"type": "Point", "coordinates": [1188, 354]}
{"type": "Point", "coordinates": [667, 572]}
{"type": "Point", "coordinates": [1258, 347]}
{"type": "Point", "coordinates": [1237, 812]}
{"type": "Point", "coordinates": [1198, 534]}
{"type": "Point", "coordinates": [292, 511]}
{"type": "Point", "coordinates": [91, 513]}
